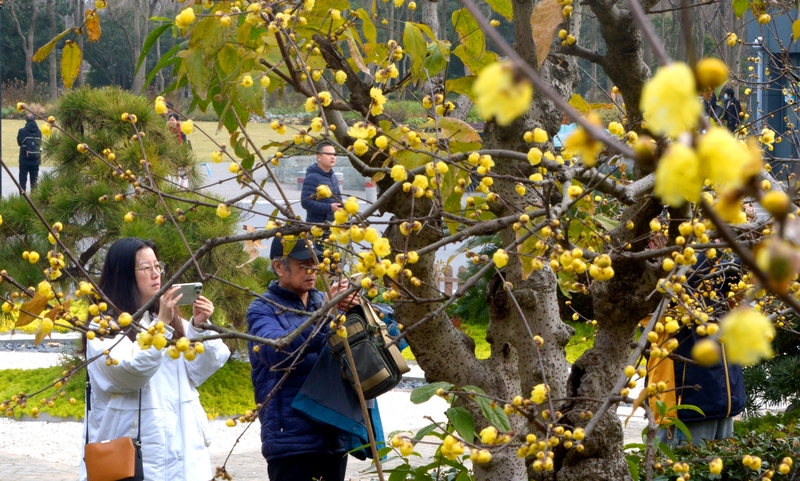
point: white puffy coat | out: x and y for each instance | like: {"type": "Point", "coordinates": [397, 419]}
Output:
{"type": "Point", "coordinates": [174, 425]}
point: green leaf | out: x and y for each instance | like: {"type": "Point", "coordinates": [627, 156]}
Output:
{"type": "Point", "coordinates": [608, 224]}
{"type": "Point", "coordinates": [633, 465]}
{"type": "Point", "coordinates": [415, 46]}
{"type": "Point", "coordinates": [149, 42]}
{"type": "Point", "coordinates": [228, 59]}
{"type": "Point", "coordinates": [690, 407]}
{"type": "Point", "coordinates": [661, 407]}
{"type": "Point", "coordinates": [469, 33]}
{"type": "Point", "coordinates": [45, 49]}
{"type": "Point", "coordinates": [496, 416]}
{"type": "Point", "coordinates": [197, 71]}
{"type": "Point", "coordinates": [435, 62]}
{"type": "Point", "coordinates": [367, 27]}
{"type": "Point", "coordinates": [426, 391]}
{"type": "Point", "coordinates": [167, 59]}
{"type": "Point", "coordinates": [429, 429]}
{"type": "Point", "coordinates": [463, 422]}
{"type": "Point", "coordinates": [504, 8]}
{"type": "Point", "coordinates": [661, 446]}
{"type": "Point", "coordinates": [210, 35]}
{"type": "Point", "coordinates": [739, 7]}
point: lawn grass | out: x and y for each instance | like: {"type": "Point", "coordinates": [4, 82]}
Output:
{"type": "Point", "coordinates": [10, 150]}
{"type": "Point", "coordinates": [228, 392]}
{"type": "Point", "coordinates": [582, 340]}
{"type": "Point", "coordinates": [261, 133]}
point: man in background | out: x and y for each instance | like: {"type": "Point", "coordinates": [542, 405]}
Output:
{"type": "Point", "coordinates": [29, 139]}
{"type": "Point", "coordinates": [321, 210]}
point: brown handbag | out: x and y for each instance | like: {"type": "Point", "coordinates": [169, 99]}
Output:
{"type": "Point", "coordinates": [115, 459]}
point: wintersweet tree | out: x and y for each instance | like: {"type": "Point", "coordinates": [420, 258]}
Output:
{"type": "Point", "coordinates": [579, 219]}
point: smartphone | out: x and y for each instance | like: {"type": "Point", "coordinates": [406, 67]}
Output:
{"type": "Point", "coordinates": [190, 292]}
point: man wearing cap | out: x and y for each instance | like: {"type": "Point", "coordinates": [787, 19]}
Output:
{"type": "Point", "coordinates": [296, 447]}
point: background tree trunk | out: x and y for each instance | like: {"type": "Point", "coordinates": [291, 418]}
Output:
{"type": "Point", "coordinates": [28, 46]}
{"type": "Point", "coordinates": [52, 60]}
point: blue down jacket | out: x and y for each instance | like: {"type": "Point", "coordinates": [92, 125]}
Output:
{"type": "Point", "coordinates": [286, 431]}
{"type": "Point", "coordinates": [319, 211]}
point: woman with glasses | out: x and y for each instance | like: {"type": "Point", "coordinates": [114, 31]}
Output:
{"type": "Point", "coordinates": [138, 381]}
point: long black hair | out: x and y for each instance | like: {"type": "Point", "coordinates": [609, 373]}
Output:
{"type": "Point", "coordinates": [118, 278]}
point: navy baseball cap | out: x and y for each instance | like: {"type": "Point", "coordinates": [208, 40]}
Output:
{"type": "Point", "coordinates": [300, 251]}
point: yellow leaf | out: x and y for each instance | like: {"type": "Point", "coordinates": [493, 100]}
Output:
{"type": "Point", "coordinates": [93, 30]}
{"type": "Point", "coordinates": [39, 336]}
{"type": "Point", "coordinates": [378, 177]}
{"type": "Point", "coordinates": [638, 402]}
{"type": "Point", "coordinates": [71, 59]}
{"type": "Point", "coordinates": [30, 310]}
{"type": "Point", "coordinates": [45, 50]}
{"type": "Point", "coordinates": [355, 54]}
{"type": "Point", "coordinates": [579, 104]}
{"type": "Point", "coordinates": [545, 19]}
{"type": "Point", "coordinates": [58, 309]}
{"type": "Point", "coordinates": [796, 29]}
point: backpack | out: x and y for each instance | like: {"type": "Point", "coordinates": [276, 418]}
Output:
{"type": "Point", "coordinates": [379, 368]}
{"type": "Point", "coordinates": [32, 147]}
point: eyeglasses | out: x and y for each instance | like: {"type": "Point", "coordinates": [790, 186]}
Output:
{"type": "Point", "coordinates": [158, 268]}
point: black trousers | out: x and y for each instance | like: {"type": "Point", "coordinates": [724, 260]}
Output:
{"type": "Point", "coordinates": [308, 467]}
{"type": "Point", "coordinates": [24, 171]}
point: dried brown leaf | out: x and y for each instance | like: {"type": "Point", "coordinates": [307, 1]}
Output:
{"type": "Point", "coordinates": [545, 19]}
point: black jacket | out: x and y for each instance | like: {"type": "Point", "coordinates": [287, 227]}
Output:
{"type": "Point", "coordinates": [732, 110]}
{"type": "Point", "coordinates": [31, 129]}
{"type": "Point", "coordinates": [319, 210]}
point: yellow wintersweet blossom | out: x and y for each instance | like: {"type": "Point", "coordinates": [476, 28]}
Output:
{"type": "Point", "coordinates": [616, 129]}
{"type": "Point", "coordinates": [500, 258]}
{"type": "Point", "coordinates": [381, 247]}
{"type": "Point", "coordinates": [399, 173]}
{"type": "Point", "coordinates": [539, 393]}
{"type": "Point", "coordinates": [747, 336]}
{"type": "Point", "coordinates": [187, 127]}
{"type": "Point", "coordinates": [669, 100]}
{"type": "Point", "coordinates": [767, 137]}
{"type": "Point", "coordinates": [378, 100]}
{"type": "Point", "coordinates": [316, 124]}
{"type": "Point", "coordinates": [325, 98]}
{"type": "Point", "coordinates": [678, 176]}
{"type": "Point", "coordinates": [311, 104]}
{"type": "Point", "coordinates": [361, 130]}
{"type": "Point", "coordinates": [185, 18]}
{"type": "Point", "coordinates": [500, 95]}
{"type": "Point", "coordinates": [583, 144]}
{"type": "Point", "coordinates": [46, 130]}
{"type": "Point", "coordinates": [360, 147]}
{"type": "Point", "coordinates": [323, 191]}
{"type": "Point", "coordinates": [724, 160]}
{"type": "Point", "coordinates": [340, 77]}
{"type": "Point", "coordinates": [729, 208]}
{"type": "Point", "coordinates": [534, 156]}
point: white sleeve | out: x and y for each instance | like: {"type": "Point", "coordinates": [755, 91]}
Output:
{"type": "Point", "coordinates": [203, 366]}
{"type": "Point", "coordinates": [134, 370]}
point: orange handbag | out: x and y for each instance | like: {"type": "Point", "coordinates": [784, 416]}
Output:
{"type": "Point", "coordinates": [115, 459]}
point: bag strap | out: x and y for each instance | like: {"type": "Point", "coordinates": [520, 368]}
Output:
{"type": "Point", "coordinates": [89, 408]}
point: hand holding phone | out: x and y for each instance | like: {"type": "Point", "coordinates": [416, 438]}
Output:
{"type": "Point", "coordinates": [190, 292]}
